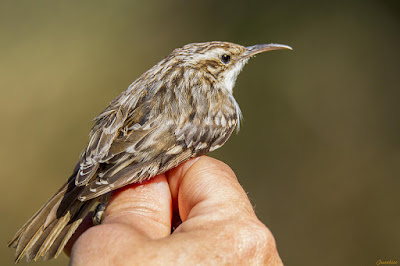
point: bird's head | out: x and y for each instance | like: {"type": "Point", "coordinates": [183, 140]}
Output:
{"type": "Point", "coordinates": [222, 61]}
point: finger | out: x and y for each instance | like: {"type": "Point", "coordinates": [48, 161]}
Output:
{"type": "Point", "coordinates": [144, 207]}
{"type": "Point", "coordinates": [218, 218]}
{"type": "Point", "coordinates": [208, 186]}
{"type": "Point", "coordinates": [144, 210]}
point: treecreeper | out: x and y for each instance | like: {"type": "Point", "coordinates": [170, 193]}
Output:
{"type": "Point", "coordinates": [181, 108]}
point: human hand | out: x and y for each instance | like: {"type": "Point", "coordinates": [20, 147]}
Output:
{"type": "Point", "coordinates": [218, 225]}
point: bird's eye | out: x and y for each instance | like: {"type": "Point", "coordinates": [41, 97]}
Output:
{"type": "Point", "coordinates": [225, 58]}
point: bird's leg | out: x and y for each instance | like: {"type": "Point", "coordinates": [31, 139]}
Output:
{"type": "Point", "coordinates": [100, 208]}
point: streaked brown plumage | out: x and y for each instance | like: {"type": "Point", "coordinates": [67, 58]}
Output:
{"type": "Point", "coordinates": [181, 108]}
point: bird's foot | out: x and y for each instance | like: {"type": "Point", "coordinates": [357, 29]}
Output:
{"type": "Point", "coordinates": [98, 213]}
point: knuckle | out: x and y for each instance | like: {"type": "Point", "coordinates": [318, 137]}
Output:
{"type": "Point", "coordinates": [217, 167]}
{"type": "Point", "coordinates": [254, 243]}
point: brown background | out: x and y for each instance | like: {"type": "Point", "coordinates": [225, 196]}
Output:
{"type": "Point", "coordinates": [319, 149]}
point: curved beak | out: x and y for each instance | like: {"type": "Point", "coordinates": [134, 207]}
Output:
{"type": "Point", "coordinates": [261, 48]}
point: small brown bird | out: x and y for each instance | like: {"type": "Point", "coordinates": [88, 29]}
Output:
{"type": "Point", "coordinates": [181, 108]}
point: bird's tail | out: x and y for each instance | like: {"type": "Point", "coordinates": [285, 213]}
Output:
{"type": "Point", "coordinates": [49, 230]}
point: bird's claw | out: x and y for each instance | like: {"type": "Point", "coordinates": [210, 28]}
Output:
{"type": "Point", "coordinates": [98, 213]}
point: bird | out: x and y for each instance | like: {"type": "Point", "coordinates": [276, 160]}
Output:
{"type": "Point", "coordinates": [182, 107]}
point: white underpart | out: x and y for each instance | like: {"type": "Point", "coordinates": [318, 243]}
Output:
{"type": "Point", "coordinates": [231, 75]}
{"type": "Point", "coordinates": [229, 83]}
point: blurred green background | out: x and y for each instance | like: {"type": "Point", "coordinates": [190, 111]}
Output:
{"type": "Point", "coordinates": [319, 149]}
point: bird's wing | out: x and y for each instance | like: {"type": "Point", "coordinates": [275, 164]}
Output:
{"type": "Point", "coordinates": [106, 128]}
{"type": "Point", "coordinates": [137, 155]}
{"type": "Point", "coordinates": [151, 149]}
{"type": "Point", "coordinates": [101, 138]}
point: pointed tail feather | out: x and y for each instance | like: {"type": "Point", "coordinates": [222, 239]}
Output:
{"type": "Point", "coordinates": [49, 230]}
